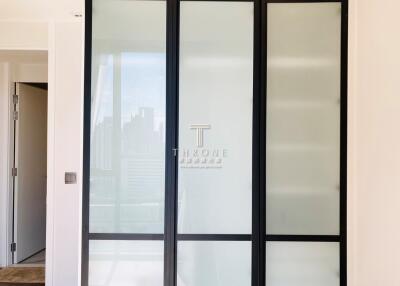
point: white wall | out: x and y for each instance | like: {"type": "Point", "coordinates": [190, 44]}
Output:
{"type": "Point", "coordinates": [65, 153]}
{"type": "Point", "coordinates": [20, 36]}
{"type": "Point", "coordinates": [376, 143]}
{"type": "Point", "coordinates": [39, 10]}
{"type": "Point", "coordinates": [52, 25]}
{"type": "Point", "coordinates": [30, 72]}
{"type": "Point", "coordinates": [24, 23]}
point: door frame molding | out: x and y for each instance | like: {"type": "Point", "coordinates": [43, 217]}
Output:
{"type": "Point", "coordinates": [12, 156]}
{"type": "Point", "coordinates": [10, 178]}
{"type": "Point", "coordinates": [13, 70]}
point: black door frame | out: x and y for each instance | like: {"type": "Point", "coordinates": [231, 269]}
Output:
{"type": "Point", "coordinates": [258, 236]}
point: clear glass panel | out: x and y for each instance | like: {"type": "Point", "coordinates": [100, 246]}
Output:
{"type": "Point", "coordinates": [302, 264]}
{"type": "Point", "coordinates": [215, 117]}
{"type": "Point", "coordinates": [303, 118]}
{"type": "Point", "coordinates": [126, 263]}
{"type": "Point", "coordinates": [128, 117]}
{"type": "Point", "coordinates": [214, 263]}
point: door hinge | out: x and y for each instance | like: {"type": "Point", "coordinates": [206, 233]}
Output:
{"type": "Point", "coordinates": [15, 115]}
{"type": "Point", "coordinates": [14, 172]}
{"type": "Point", "coordinates": [15, 99]}
{"type": "Point", "coordinates": [13, 247]}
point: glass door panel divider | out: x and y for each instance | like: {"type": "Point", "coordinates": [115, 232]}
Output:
{"type": "Point", "coordinates": [86, 142]}
{"type": "Point", "coordinates": [343, 141]}
{"type": "Point", "coordinates": [259, 143]}
{"type": "Point", "coordinates": [259, 235]}
{"type": "Point", "coordinates": [170, 252]}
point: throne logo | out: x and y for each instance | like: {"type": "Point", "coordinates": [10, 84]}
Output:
{"type": "Point", "coordinates": [200, 133]}
{"type": "Point", "coordinates": [202, 156]}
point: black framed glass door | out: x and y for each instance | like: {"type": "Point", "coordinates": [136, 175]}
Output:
{"type": "Point", "coordinates": [306, 143]}
{"type": "Point", "coordinates": [215, 143]}
{"type": "Point", "coordinates": [125, 135]}
{"type": "Point", "coordinates": [214, 214]}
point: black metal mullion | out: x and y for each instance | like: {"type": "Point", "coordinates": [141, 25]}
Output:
{"type": "Point", "coordinates": [214, 237]}
{"type": "Point", "coordinates": [86, 143]}
{"type": "Point", "coordinates": [303, 1]}
{"type": "Point", "coordinates": [126, 236]}
{"type": "Point", "coordinates": [268, 1]}
{"type": "Point", "coordinates": [263, 139]}
{"type": "Point", "coordinates": [217, 0]}
{"type": "Point", "coordinates": [171, 170]}
{"type": "Point", "coordinates": [343, 143]}
{"type": "Point", "coordinates": [259, 133]}
{"type": "Point", "coordinates": [302, 238]}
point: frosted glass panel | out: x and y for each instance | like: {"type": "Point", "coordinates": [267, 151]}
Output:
{"type": "Point", "coordinates": [128, 117]}
{"type": "Point", "coordinates": [302, 264]}
{"type": "Point", "coordinates": [303, 118]}
{"type": "Point", "coordinates": [210, 263]}
{"type": "Point", "coordinates": [126, 263]}
{"type": "Point", "coordinates": [215, 117]}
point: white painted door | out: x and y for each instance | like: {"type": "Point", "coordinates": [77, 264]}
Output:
{"type": "Point", "coordinates": [31, 163]}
